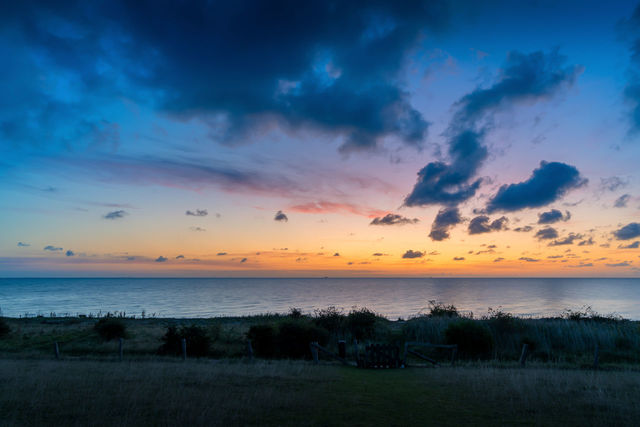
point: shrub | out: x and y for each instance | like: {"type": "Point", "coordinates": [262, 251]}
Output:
{"type": "Point", "coordinates": [503, 322]}
{"type": "Point", "coordinates": [362, 323]}
{"type": "Point", "coordinates": [4, 327]}
{"type": "Point", "coordinates": [332, 319]}
{"type": "Point", "coordinates": [295, 313]}
{"type": "Point", "coordinates": [289, 340]}
{"type": "Point", "coordinates": [110, 328]}
{"type": "Point", "coordinates": [198, 342]}
{"type": "Point", "coordinates": [438, 309]}
{"type": "Point", "coordinates": [587, 313]}
{"type": "Point", "coordinates": [263, 340]}
{"type": "Point", "coordinates": [474, 339]}
{"type": "Point", "coordinates": [294, 338]}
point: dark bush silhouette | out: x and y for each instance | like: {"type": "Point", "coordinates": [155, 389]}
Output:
{"type": "Point", "coordinates": [263, 340]}
{"type": "Point", "coordinates": [362, 323]}
{"type": "Point", "coordinates": [438, 309]}
{"type": "Point", "coordinates": [110, 328]}
{"type": "Point", "coordinates": [504, 323]}
{"type": "Point", "coordinates": [294, 338]}
{"type": "Point", "coordinates": [474, 339]}
{"type": "Point", "coordinates": [198, 342]}
{"type": "Point", "coordinates": [290, 339]}
{"type": "Point", "coordinates": [4, 328]}
{"type": "Point", "coordinates": [332, 319]}
{"type": "Point", "coordinates": [295, 313]}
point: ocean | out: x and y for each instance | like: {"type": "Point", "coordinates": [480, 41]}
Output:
{"type": "Point", "coordinates": [391, 297]}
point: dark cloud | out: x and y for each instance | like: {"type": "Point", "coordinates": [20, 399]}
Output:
{"type": "Point", "coordinates": [197, 212]}
{"type": "Point", "coordinates": [69, 253]}
{"type": "Point", "coordinates": [115, 215]}
{"type": "Point", "coordinates": [445, 219]}
{"type": "Point", "coordinates": [524, 77]}
{"type": "Point", "coordinates": [412, 254]}
{"type": "Point", "coordinates": [378, 254]}
{"type": "Point", "coordinates": [627, 232]}
{"type": "Point", "coordinates": [568, 240]}
{"type": "Point", "coordinates": [482, 224]}
{"type": "Point", "coordinates": [458, 258]}
{"type": "Point", "coordinates": [553, 216]}
{"type": "Point", "coordinates": [547, 233]}
{"type": "Point", "coordinates": [161, 259]}
{"type": "Point", "coordinates": [393, 219]}
{"type": "Point", "coordinates": [525, 229]}
{"type": "Point", "coordinates": [527, 259]}
{"type": "Point", "coordinates": [335, 68]}
{"type": "Point", "coordinates": [587, 242]}
{"type": "Point", "coordinates": [634, 245]}
{"type": "Point", "coordinates": [23, 245]}
{"type": "Point", "coordinates": [221, 253]}
{"type": "Point", "coordinates": [620, 264]}
{"type": "Point", "coordinates": [197, 229]}
{"type": "Point", "coordinates": [336, 254]}
{"type": "Point", "coordinates": [180, 257]}
{"type": "Point", "coordinates": [632, 89]}
{"type": "Point", "coordinates": [621, 202]}
{"type": "Point", "coordinates": [52, 248]}
{"type": "Point", "coordinates": [448, 184]}
{"type": "Point", "coordinates": [280, 216]}
{"type": "Point", "coordinates": [546, 184]}
{"type": "Point", "coordinates": [499, 259]}
{"type": "Point", "coordinates": [587, 264]}
{"type": "Point", "coordinates": [243, 260]}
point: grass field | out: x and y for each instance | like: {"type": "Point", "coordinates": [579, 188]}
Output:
{"type": "Point", "coordinates": [171, 392]}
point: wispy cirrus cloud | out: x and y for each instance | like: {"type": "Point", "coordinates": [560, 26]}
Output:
{"type": "Point", "coordinates": [324, 206]}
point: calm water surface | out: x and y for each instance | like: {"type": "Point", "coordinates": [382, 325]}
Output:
{"type": "Point", "coordinates": [391, 297]}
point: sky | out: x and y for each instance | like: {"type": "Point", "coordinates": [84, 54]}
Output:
{"type": "Point", "coordinates": [316, 138]}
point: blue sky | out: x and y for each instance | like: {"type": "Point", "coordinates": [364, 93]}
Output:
{"type": "Point", "coordinates": [117, 118]}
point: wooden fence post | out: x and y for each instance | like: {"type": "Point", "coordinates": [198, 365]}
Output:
{"type": "Point", "coordinates": [249, 350]}
{"type": "Point", "coordinates": [56, 350]}
{"type": "Point", "coordinates": [184, 349]}
{"type": "Point", "coordinates": [120, 340]}
{"type": "Point", "coordinates": [314, 352]}
{"type": "Point", "coordinates": [524, 354]}
{"type": "Point", "coordinates": [595, 357]}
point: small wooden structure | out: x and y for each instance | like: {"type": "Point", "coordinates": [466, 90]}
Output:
{"type": "Point", "coordinates": [409, 350]}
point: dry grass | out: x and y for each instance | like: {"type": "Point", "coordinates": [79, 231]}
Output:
{"type": "Point", "coordinates": [36, 392]}
{"type": "Point", "coordinates": [44, 392]}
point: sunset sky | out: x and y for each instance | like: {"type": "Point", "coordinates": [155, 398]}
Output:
{"type": "Point", "coordinates": [438, 138]}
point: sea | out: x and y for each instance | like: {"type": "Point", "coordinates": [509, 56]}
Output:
{"type": "Point", "coordinates": [391, 297]}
